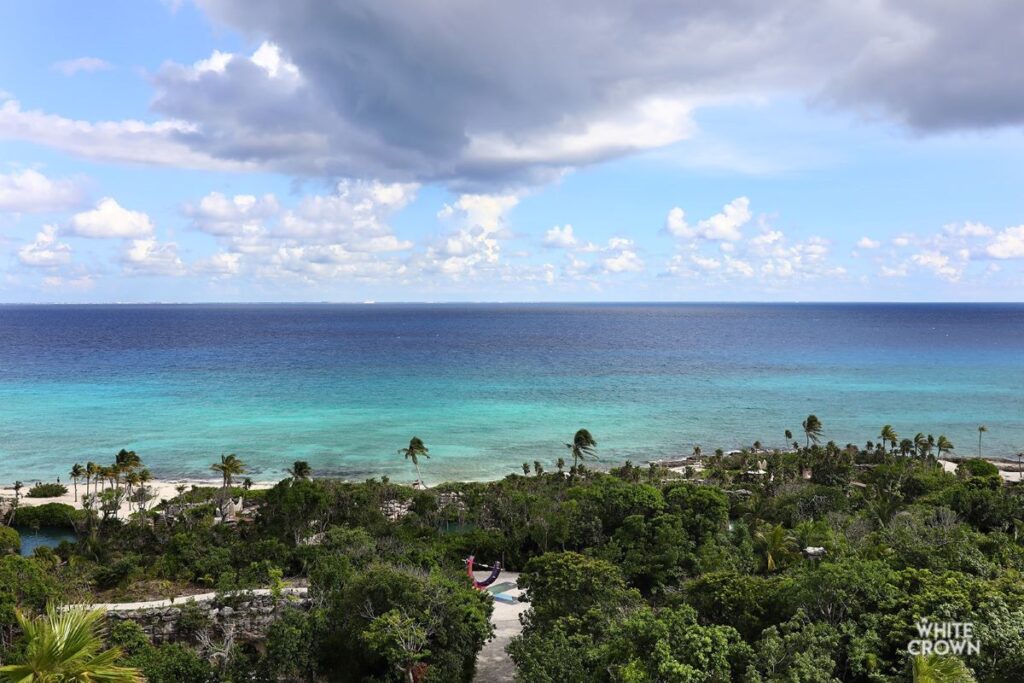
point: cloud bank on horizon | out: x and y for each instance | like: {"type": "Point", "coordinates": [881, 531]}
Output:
{"type": "Point", "coordinates": [533, 150]}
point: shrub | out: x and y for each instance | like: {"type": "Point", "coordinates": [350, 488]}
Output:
{"type": "Point", "coordinates": [10, 541]}
{"type": "Point", "coordinates": [51, 490]}
{"type": "Point", "coordinates": [53, 515]}
{"type": "Point", "coordinates": [193, 620]}
{"type": "Point", "coordinates": [171, 663]}
{"type": "Point", "coordinates": [118, 573]}
{"type": "Point", "coordinates": [977, 468]}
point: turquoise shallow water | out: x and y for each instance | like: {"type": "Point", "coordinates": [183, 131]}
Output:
{"type": "Point", "coordinates": [489, 386]}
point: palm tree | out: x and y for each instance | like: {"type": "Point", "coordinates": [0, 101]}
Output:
{"type": "Point", "coordinates": [526, 469]}
{"type": "Point", "coordinates": [107, 474]}
{"type": "Point", "coordinates": [582, 447]}
{"type": "Point", "coordinates": [143, 495]}
{"type": "Point", "coordinates": [757, 446]}
{"type": "Point", "coordinates": [920, 443]}
{"type": "Point", "coordinates": [18, 486]}
{"type": "Point", "coordinates": [91, 471]}
{"type": "Point", "coordinates": [981, 430]}
{"type": "Point", "coordinates": [697, 451]}
{"type": "Point", "coordinates": [538, 469]}
{"type": "Point", "coordinates": [76, 474]}
{"type": "Point", "coordinates": [943, 445]}
{"type": "Point", "coordinates": [126, 461]}
{"type": "Point", "coordinates": [67, 647]}
{"type": "Point", "coordinates": [812, 429]}
{"type": "Point", "coordinates": [789, 436]}
{"type": "Point", "coordinates": [228, 467]}
{"type": "Point", "coordinates": [906, 447]}
{"type": "Point", "coordinates": [560, 464]}
{"type": "Point", "coordinates": [300, 470]}
{"type": "Point", "coordinates": [940, 669]}
{"type": "Point", "coordinates": [247, 483]}
{"type": "Point", "coordinates": [131, 481]}
{"type": "Point", "coordinates": [414, 452]}
{"type": "Point", "coordinates": [889, 435]}
{"type": "Point", "coordinates": [778, 545]}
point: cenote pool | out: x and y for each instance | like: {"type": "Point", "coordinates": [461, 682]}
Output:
{"type": "Point", "coordinates": [42, 537]}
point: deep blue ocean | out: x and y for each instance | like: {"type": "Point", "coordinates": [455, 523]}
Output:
{"type": "Point", "coordinates": [490, 386]}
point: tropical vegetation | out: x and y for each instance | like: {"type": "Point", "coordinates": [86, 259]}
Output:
{"type": "Point", "coordinates": [812, 563]}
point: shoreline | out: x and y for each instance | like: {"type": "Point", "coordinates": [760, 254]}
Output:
{"type": "Point", "coordinates": [166, 488]}
{"type": "Point", "coordinates": [161, 489]}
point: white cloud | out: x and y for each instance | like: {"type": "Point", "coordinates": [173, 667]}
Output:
{"type": "Point", "coordinates": [769, 256]}
{"type": "Point", "coordinates": [70, 67]}
{"type": "Point", "coordinates": [562, 237]}
{"type": "Point", "coordinates": [82, 281]}
{"type": "Point", "coordinates": [868, 243]}
{"type": "Point", "coordinates": [150, 257]}
{"type": "Point", "coordinates": [938, 263]}
{"type": "Point", "coordinates": [346, 233]}
{"type": "Point", "coordinates": [724, 226]}
{"type": "Point", "coordinates": [220, 264]}
{"type": "Point", "coordinates": [968, 229]}
{"type": "Point", "coordinates": [626, 261]}
{"type": "Point", "coordinates": [268, 57]}
{"type": "Point", "coordinates": [30, 191]}
{"type": "Point", "coordinates": [219, 215]}
{"type": "Point", "coordinates": [651, 123]}
{"type": "Point", "coordinates": [727, 224]}
{"type": "Point", "coordinates": [317, 263]}
{"type": "Point", "coordinates": [163, 143]}
{"type": "Point", "coordinates": [675, 223]}
{"type": "Point", "coordinates": [110, 219]}
{"type": "Point", "coordinates": [476, 241]}
{"type": "Point", "coordinates": [46, 251]}
{"type": "Point", "coordinates": [893, 271]}
{"type": "Point", "coordinates": [1008, 244]}
{"type": "Point", "coordinates": [767, 238]}
{"type": "Point", "coordinates": [356, 216]}
{"type": "Point", "coordinates": [706, 263]}
{"type": "Point", "coordinates": [739, 267]}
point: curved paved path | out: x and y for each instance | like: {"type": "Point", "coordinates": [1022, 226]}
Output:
{"type": "Point", "coordinates": [493, 665]}
{"type": "Point", "coordinates": [178, 601]}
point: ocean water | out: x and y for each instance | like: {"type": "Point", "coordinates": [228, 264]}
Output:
{"type": "Point", "coordinates": [489, 386]}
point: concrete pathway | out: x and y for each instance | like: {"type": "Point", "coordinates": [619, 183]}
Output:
{"type": "Point", "coordinates": [493, 665]}
{"type": "Point", "coordinates": [180, 600]}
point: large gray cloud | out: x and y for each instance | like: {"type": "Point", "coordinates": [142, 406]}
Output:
{"type": "Point", "coordinates": [449, 89]}
{"type": "Point", "coordinates": [952, 64]}
{"type": "Point", "coordinates": [490, 92]}
{"type": "Point", "coordinates": [486, 94]}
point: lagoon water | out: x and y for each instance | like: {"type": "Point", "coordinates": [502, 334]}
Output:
{"type": "Point", "coordinates": [488, 387]}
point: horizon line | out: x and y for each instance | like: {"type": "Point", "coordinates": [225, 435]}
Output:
{"type": "Point", "coordinates": [451, 302]}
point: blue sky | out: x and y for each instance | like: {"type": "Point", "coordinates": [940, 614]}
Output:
{"type": "Point", "coordinates": [317, 151]}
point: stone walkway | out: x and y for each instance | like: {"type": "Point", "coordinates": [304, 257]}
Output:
{"type": "Point", "coordinates": [181, 600]}
{"type": "Point", "coordinates": [493, 665]}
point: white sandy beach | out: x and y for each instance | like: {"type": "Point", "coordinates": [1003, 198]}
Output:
{"type": "Point", "coordinates": [162, 489]}
{"type": "Point", "coordinates": [1007, 470]}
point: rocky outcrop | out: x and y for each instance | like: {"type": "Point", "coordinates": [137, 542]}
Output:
{"type": "Point", "coordinates": [245, 615]}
